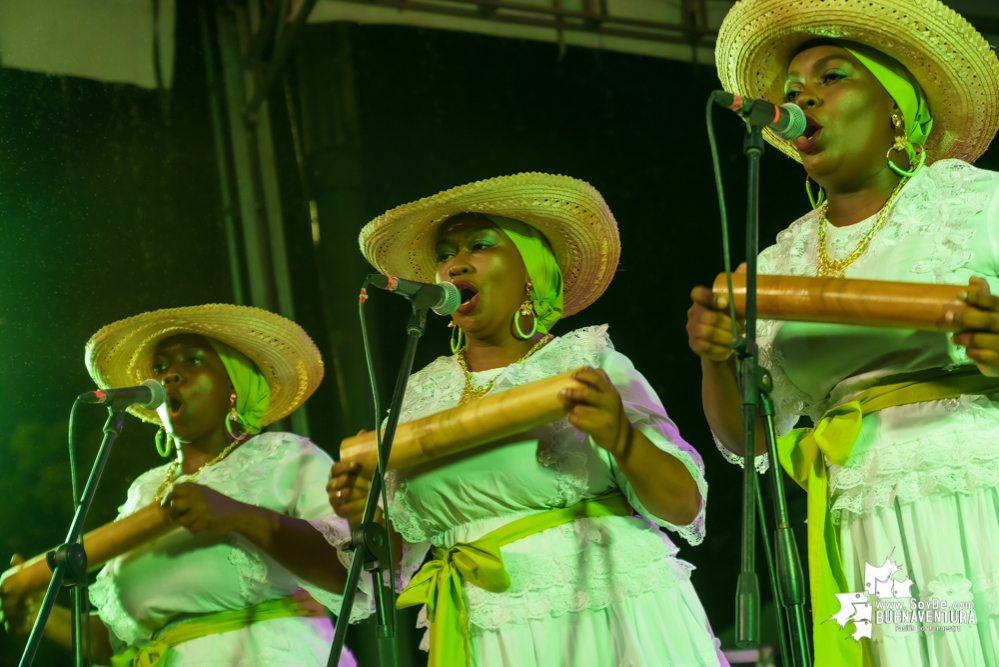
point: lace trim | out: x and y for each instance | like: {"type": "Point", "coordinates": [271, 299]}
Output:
{"type": "Point", "coordinates": [598, 573]}
{"type": "Point", "coordinates": [762, 460]}
{"type": "Point", "coordinates": [123, 629]}
{"type": "Point", "coordinates": [566, 453]}
{"type": "Point", "coordinates": [960, 458]}
{"type": "Point", "coordinates": [940, 208]}
{"type": "Point", "coordinates": [250, 567]}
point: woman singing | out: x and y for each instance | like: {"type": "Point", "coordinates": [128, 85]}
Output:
{"type": "Point", "coordinates": [226, 588]}
{"type": "Point", "coordinates": [903, 464]}
{"type": "Point", "coordinates": [554, 567]}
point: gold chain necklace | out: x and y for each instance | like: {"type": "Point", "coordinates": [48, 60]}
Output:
{"type": "Point", "coordinates": [173, 468]}
{"type": "Point", "coordinates": [830, 268]}
{"type": "Point", "coordinates": [470, 393]}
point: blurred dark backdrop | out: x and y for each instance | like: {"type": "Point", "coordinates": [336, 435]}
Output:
{"type": "Point", "coordinates": [110, 206]}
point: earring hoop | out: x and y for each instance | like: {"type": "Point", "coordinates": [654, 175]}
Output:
{"type": "Point", "coordinates": [912, 161]}
{"type": "Point", "coordinates": [164, 442]}
{"type": "Point", "coordinates": [456, 345]}
{"type": "Point", "coordinates": [526, 309]}
{"type": "Point", "coordinates": [816, 201]}
{"type": "Point", "coordinates": [902, 144]}
{"type": "Point", "coordinates": [233, 416]}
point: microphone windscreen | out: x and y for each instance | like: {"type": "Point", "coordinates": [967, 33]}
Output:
{"type": "Point", "coordinates": [796, 122]}
{"type": "Point", "coordinates": [158, 394]}
{"type": "Point", "coordinates": [451, 300]}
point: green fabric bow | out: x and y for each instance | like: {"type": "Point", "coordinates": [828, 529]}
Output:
{"type": "Point", "coordinates": [803, 453]}
{"type": "Point", "coordinates": [542, 269]}
{"type": "Point", "coordinates": [438, 583]}
{"type": "Point", "coordinates": [253, 394]}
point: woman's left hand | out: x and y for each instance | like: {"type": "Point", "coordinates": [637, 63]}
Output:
{"type": "Point", "coordinates": [980, 327]}
{"type": "Point", "coordinates": [598, 411]}
{"type": "Point", "coordinates": [199, 508]}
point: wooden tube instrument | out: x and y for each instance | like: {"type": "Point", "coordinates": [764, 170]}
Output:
{"type": "Point", "coordinates": [487, 419]}
{"type": "Point", "coordinates": [101, 544]}
{"type": "Point", "coordinates": [872, 303]}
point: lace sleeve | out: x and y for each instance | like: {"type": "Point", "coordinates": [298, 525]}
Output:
{"type": "Point", "coordinates": [646, 413]}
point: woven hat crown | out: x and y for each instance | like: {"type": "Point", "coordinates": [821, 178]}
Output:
{"type": "Point", "coordinates": [121, 354]}
{"type": "Point", "coordinates": [571, 213]}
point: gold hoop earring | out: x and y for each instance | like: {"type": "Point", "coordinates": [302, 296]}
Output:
{"type": "Point", "coordinates": [816, 201]}
{"type": "Point", "coordinates": [903, 145]}
{"type": "Point", "coordinates": [526, 310]}
{"type": "Point", "coordinates": [456, 345]}
{"type": "Point", "coordinates": [233, 417]}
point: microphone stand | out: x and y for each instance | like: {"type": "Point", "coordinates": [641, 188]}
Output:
{"type": "Point", "coordinates": [754, 386]}
{"type": "Point", "coordinates": [69, 561]}
{"type": "Point", "coordinates": [369, 540]}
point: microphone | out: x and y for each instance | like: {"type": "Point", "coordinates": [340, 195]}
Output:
{"type": "Point", "coordinates": [150, 395]}
{"type": "Point", "coordinates": [443, 298]}
{"type": "Point", "coordinates": [787, 121]}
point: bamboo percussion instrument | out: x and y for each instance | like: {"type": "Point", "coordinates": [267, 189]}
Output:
{"type": "Point", "coordinates": [872, 303]}
{"type": "Point", "coordinates": [101, 544]}
{"type": "Point", "coordinates": [487, 419]}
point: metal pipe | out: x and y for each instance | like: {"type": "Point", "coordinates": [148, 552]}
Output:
{"type": "Point", "coordinates": [282, 50]}
{"type": "Point", "coordinates": [217, 133]}
{"type": "Point", "coordinates": [601, 29]}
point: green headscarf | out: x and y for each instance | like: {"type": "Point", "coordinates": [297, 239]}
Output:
{"type": "Point", "coordinates": [542, 269]}
{"type": "Point", "coordinates": [253, 394]}
{"type": "Point", "coordinates": [902, 87]}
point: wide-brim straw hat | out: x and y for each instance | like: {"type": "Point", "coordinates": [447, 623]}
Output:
{"type": "Point", "coordinates": [571, 214]}
{"type": "Point", "coordinates": [954, 64]}
{"type": "Point", "coordinates": [121, 354]}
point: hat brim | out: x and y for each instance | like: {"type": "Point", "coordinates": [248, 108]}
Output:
{"type": "Point", "coordinates": [571, 213]}
{"type": "Point", "coordinates": [121, 354]}
{"type": "Point", "coordinates": [953, 63]}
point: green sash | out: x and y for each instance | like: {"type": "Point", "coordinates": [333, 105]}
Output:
{"type": "Point", "coordinates": [801, 455]}
{"type": "Point", "coordinates": [438, 583]}
{"type": "Point", "coordinates": [155, 651]}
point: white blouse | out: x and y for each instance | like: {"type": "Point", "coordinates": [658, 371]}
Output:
{"type": "Point", "coordinates": [183, 575]}
{"type": "Point", "coordinates": [944, 228]}
{"type": "Point", "coordinates": [583, 565]}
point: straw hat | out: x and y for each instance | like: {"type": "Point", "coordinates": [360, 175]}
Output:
{"type": "Point", "coordinates": [121, 354]}
{"type": "Point", "coordinates": [955, 66]}
{"type": "Point", "coordinates": [571, 213]}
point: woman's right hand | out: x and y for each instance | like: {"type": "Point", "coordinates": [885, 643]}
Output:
{"type": "Point", "coordinates": [709, 328]}
{"type": "Point", "coordinates": [347, 490]}
{"type": "Point", "coordinates": [18, 609]}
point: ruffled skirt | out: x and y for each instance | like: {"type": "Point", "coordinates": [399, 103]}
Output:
{"type": "Point", "coordinates": [948, 545]}
{"type": "Point", "coordinates": [656, 629]}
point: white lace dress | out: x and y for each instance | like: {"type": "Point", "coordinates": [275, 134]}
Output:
{"type": "Point", "coordinates": [590, 593]}
{"type": "Point", "coordinates": [181, 575]}
{"type": "Point", "coordinates": [921, 482]}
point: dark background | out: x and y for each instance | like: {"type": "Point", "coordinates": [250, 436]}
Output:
{"type": "Point", "coordinates": [110, 206]}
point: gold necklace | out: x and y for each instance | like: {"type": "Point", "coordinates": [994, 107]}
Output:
{"type": "Point", "coordinates": [830, 268]}
{"type": "Point", "coordinates": [173, 468]}
{"type": "Point", "coordinates": [470, 393]}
